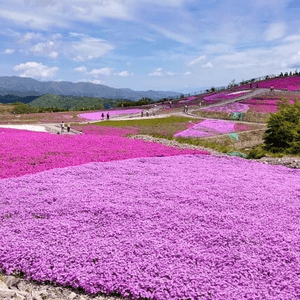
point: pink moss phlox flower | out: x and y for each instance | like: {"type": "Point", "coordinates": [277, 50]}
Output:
{"type": "Point", "coordinates": [25, 152]}
{"type": "Point", "coordinates": [229, 108]}
{"type": "Point", "coordinates": [181, 227]}
{"type": "Point", "coordinates": [208, 128]}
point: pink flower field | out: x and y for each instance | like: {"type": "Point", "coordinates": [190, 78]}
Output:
{"type": "Point", "coordinates": [97, 115]}
{"type": "Point", "coordinates": [291, 83]}
{"type": "Point", "coordinates": [264, 106]}
{"type": "Point", "coordinates": [224, 96]}
{"type": "Point", "coordinates": [177, 227]}
{"type": "Point", "coordinates": [229, 108]}
{"type": "Point", "coordinates": [26, 152]}
{"type": "Point", "coordinates": [208, 128]}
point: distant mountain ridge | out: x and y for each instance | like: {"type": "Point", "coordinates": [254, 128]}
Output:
{"type": "Point", "coordinates": [24, 86]}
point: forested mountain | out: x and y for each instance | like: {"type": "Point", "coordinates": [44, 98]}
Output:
{"type": "Point", "coordinates": [23, 86]}
{"type": "Point", "coordinates": [74, 103]}
{"type": "Point", "coordinates": [14, 98]}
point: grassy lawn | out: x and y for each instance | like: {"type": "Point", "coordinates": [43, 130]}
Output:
{"type": "Point", "coordinates": [160, 127]}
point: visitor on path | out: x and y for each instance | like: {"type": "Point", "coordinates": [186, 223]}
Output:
{"type": "Point", "coordinates": [142, 113]}
{"type": "Point", "coordinates": [187, 108]}
{"type": "Point", "coordinates": [272, 88]}
{"type": "Point", "coordinates": [102, 116]}
{"type": "Point", "coordinates": [68, 127]}
{"type": "Point", "coordinates": [200, 103]}
{"type": "Point", "coordinates": [250, 85]}
{"type": "Point", "coordinates": [147, 113]}
{"type": "Point", "coordinates": [62, 127]}
{"type": "Point", "coordinates": [107, 116]}
{"type": "Point", "coordinates": [257, 85]}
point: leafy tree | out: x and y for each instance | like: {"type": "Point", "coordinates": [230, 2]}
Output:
{"type": "Point", "coordinates": [181, 96]}
{"type": "Point", "coordinates": [286, 74]}
{"type": "Point", "coordinates": [281, 74]}
{"type": "Point", "coordinates": [283, 133]}
{"type": "Point", "coordinates": [290, 74]}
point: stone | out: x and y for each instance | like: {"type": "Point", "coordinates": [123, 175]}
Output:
{"type": "Point", "coordinates": [3, 286]}
{"type": "Point", "coordinates": [12, 281]}
{"type": "Point", "coordinates": [72, 296]}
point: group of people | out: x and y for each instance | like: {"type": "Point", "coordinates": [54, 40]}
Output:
{"type": "Point", "coordinates": [107, 116]}
{"type": "Point", "coordinates": [62, 127]}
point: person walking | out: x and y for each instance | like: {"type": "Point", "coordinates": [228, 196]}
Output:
{"type": "Point", "coordinates": [102, 116]}
{"type": "Point", "coordinates": [69, 127]}
{"type": "Point", "coordinates": [187, 108]}
{"type": "Point", "coordinates": [142, 113]}
{"type": "Point", "coordinates": [107, 116]}
{"type": "Point", "coordinates": [62, 127]}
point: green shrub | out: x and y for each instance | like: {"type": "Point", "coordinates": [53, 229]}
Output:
{"type": "Point", "coordinates": [283, 133]}
{"type": "Point", "coordinates": [256, 153]}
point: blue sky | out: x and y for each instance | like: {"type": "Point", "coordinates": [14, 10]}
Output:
{"type": "Point", "coordinates": [170, 45]}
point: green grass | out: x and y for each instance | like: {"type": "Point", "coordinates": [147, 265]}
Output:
{"type": "Point", "coordinates": [155, 121]}
{"type": "Point", "coordinates": [158, 127]}
{"type": "Point", "coordinates": [206, 144]}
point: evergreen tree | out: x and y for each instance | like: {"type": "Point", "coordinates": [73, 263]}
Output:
{"type": "Point", "coordinates": [283, 131]}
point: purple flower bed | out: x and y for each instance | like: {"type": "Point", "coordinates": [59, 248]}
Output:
{"type": "Point", "coordinates": [182, 227]}
{"type": "Point", "coordinates": [262, 105]}
{"type": "Point", "coordinates": [224, 96]}
{"type": "Point", "coordinates": [208, 128]}
{"type": "Point", "coordinates": [26, 152]}
{"type": "Point", "coordinates": [97, 115]}
{"type": "Point", "coordinates": [289, 83]}
{"type": "Point", "coordinates": [229, 108]}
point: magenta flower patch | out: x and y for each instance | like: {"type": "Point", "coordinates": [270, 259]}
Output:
{"type": "Point", "coordinates": [208, 128]}
{"type": "Point", "coordinates": [98, 115]}
{"type": "Point", "coordinates": [181, 227]}
{"type": "Point", "coordinates": [224, 95]}
{"type": "Point", "coordinates": [25, 152]}
{"type": "Point", "coordinates": [229, 108]}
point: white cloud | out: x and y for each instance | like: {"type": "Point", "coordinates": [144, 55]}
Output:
{"type": "Point", "coordinates": [36, 70]}
{"type": "Point", "coordinates": [187, 73]}
{"type": "Point", "coordinates": [47, 49]}
{"type": "Point", "coordinates": [172, 35]}
{"type": "Point", "coordinates": [218, 48]}
{"type": "Point", "coordinates": [104, 71]}
{"type": "Point", "coordinates": [275, 31]}
{"type": "Point", "coordinates": [9, 51]}
{"type": "Point", "coordinates": [197, 60]}
{"type": "Point", "coordinates": [157, 72]}
{"type": "Point", "coordinates": [292, 38]}
{"type": "Point", "coordinates": [57, 36]}
{"type": "Point", "coordinates": [80, 69]}
{"type": "Point", "coordinates": [95, 81]}
{"type": "Point", "coordinates": [27, 37]}
{"type": "Point", "coordinates": [88, 48]}
{"type": "Point", "coordinates": [208, 65]}
{"type": "Point", "coordinates": [32, 19]}
{"type": "Point", "coordinates": [124, 74]}
{"type": "Point", "coordinates": [171, 73]}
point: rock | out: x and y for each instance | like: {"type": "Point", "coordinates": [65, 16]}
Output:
{"type": "Point", "coordinates": [36, 295]}
{"type": "Point", "coordinates": [12, 281]}
{"type": "Point", "coordinates": [7, 294]}
{"type": "Point", "coordinates": [72, 296]}
{"type": "Point", "coordinates": [3, 286]}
